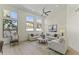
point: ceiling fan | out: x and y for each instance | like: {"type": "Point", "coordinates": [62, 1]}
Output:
{"type": "Point", "coordinates": [45, 12]}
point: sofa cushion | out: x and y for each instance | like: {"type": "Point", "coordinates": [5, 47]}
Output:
{"type": "Point", "coordinates": [61, 40]}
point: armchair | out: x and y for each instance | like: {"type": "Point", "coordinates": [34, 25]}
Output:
{"type": "Point", "coordinates": [59, 45]}
{"type": "Point", "coordinates": [31, 37]}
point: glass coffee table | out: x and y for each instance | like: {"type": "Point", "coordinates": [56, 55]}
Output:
{"type": "Point", "coordinates": [41, 40]}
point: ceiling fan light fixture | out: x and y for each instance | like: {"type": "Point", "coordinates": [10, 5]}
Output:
{"type": "Point", "coordinates": [46, 13]}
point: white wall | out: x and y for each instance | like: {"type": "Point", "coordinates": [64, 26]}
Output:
{"type": "Point", "coordinates": [73, 26]}
{"type": "Point", "coordinates": [21, 25]}
{"type": "Point", "coordinates": [58, 17]}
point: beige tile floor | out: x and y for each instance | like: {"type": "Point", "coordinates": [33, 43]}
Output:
{"type": "Point", "coordinates": [32, 48]}
{"type": "Point", "coordinates": [28, 48]}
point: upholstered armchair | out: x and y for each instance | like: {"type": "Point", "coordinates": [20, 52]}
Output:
{"type": "Point", "coordinates": [31, 37]}
{"type": "Point", "coordinates": [58, 45]}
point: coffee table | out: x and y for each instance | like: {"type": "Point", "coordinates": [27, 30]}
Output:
{"type": "Point", "coordinates": [41, 40]}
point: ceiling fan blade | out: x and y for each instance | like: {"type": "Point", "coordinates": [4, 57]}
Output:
{"type": "Point", "coordinates": [46, 14]}
{"type": "Point", "coordinates": [43, 10]}
{"type": "Point", "coordinates": [42, 15]}
{"type": "Point", "coordinates": [48, 11]}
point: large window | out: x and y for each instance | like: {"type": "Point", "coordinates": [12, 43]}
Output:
{"type": "Point", "coordinates": [13, 16]}
{"type": "Point", "coordinates": [9, 22]}
{"type": "Point", "coordinates": [38, 24]}
{"type": "Point", "coordinates": [33, 23]}
{"type": "Point", "coordinates": [29, 23]}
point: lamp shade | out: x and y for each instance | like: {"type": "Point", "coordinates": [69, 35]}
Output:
{"type": "Point", "coordinates": [62, 30]}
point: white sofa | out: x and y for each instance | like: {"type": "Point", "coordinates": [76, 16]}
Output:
{"type": "Point", "coordinates": [59, 45]}
{"type": "Point", "coordinates": [32, 38]}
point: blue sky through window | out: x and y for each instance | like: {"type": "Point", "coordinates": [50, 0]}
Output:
{"type": "Point", "coordinates": [29, 18]}
{"type": "Point", "coordinates": [13, 14]}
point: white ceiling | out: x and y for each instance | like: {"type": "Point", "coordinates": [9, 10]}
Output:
{"type": "Point", "coordinates": [38, 7]}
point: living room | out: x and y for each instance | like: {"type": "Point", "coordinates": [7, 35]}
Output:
{"type": "Point", "coordinates": [35, 29]}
